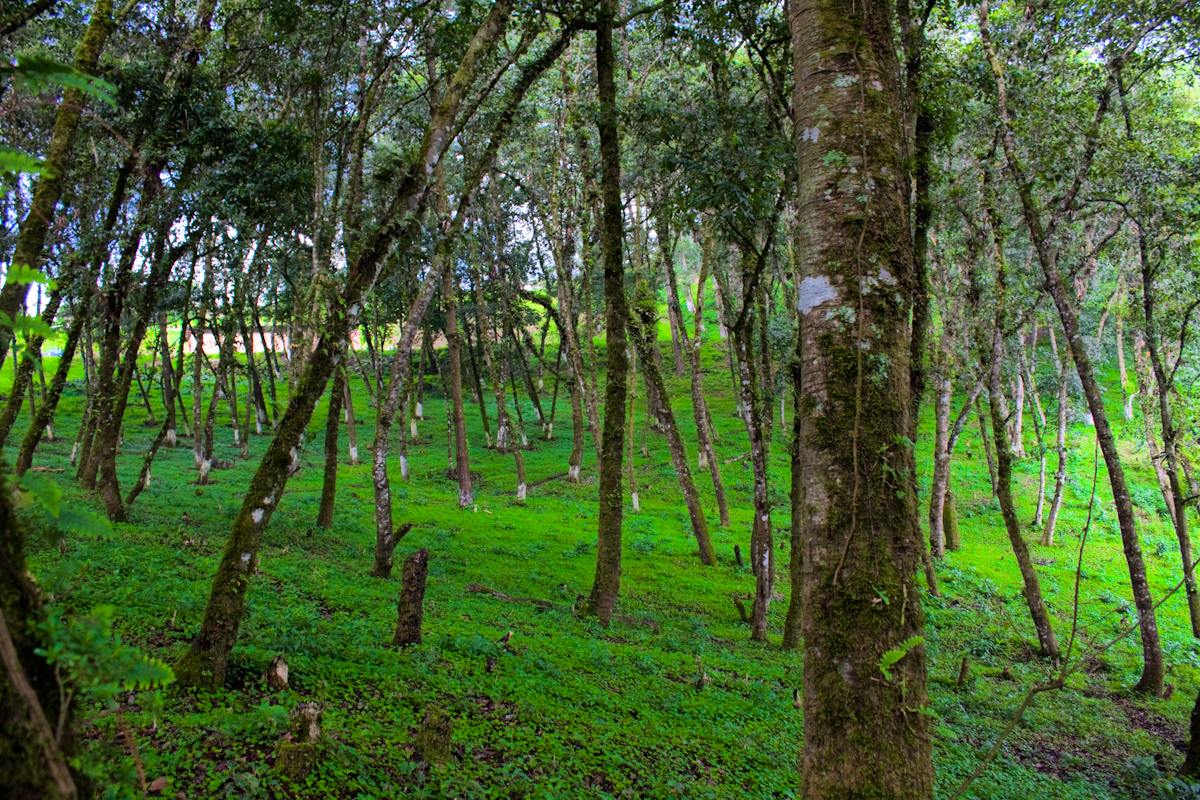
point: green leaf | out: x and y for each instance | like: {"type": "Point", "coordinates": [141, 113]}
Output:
{"type": "Point", "coordinates": [35, 488]}
{"type": "Point", "coordinates": [12, 160]}
{"type": "Point", "coordinates": [38, 73]}
{"type": "Point", "coordinates": [891, 657]}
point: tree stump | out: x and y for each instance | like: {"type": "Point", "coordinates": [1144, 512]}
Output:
{"type": "Point", "coordinates": [433, 737]}
{"type": "Point", "coordinates": [297, 757]}
{"type": "Point", "coordinates": [410, 608]}
{"type": "Point", "coordinates": [277, 673]}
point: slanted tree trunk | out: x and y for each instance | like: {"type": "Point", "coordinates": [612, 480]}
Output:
{"type": "Point", "coordinates": [46, 413]}
{"type": "Point", "coordinates": [607, 582]}
{"type": "Point", "coordinates": [860, 537]}
{"type": "Point", "coordinates": [22, 380]}
{"type": "Point", "coordinates": [987, 442]}
{"type": "Point", "coordinates": [31, 236]}
{"type": "Point", "coordinates": [1176, 496]}
{"type": "Point", "coordinates": [206, 660]}
{"type": "Point", "coordinates": [1047, 643]}
{"type": "Point", "coordinates": [1041, 232]}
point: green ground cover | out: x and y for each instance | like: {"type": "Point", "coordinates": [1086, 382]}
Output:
{"type": "Point", "coordinates": [571, 709]}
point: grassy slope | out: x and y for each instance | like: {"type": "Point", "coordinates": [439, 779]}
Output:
{"type": "Point", "coordinates": [572, 710]}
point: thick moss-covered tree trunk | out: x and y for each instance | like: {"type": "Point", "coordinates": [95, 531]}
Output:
{"type": "Point", "coordinates": [607, 583]}
{"type": "Point", "coordinates": [32, 763]}
{"type": "Point", "coordinates": [864, 735]}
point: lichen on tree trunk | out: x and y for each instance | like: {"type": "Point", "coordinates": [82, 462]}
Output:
{"type": "Point", "coordinates": [864, 735]}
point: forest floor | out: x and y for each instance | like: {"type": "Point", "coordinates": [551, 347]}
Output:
{"type": "Point", "coordinates": [571, 709]}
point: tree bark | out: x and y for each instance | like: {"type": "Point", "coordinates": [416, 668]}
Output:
{"type": "Point", "coordinates": [1047, 643]}
{"type": "Point", "coordinates": [1170, 436]}
{"type": "Point", "coordinates": [862, 550]}
{"type": "Point", "coordinates": [411, 606]}
{"type": "Point", "coordinates": [46, 412]}
{"type": "Point", "coordinates": [462, 456]}
{"type": "Point", "coordinates": [607, 582]}
{"type": "Point", "coordinates": [337, 394]}
{"type": "Point", "coordinates": [1062, 366]}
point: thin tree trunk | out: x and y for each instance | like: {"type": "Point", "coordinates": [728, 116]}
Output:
{"type": "Point", "coordinates": [206, 660]}
{"type": "Point", "coordinates": [46, 413]}
{"type": "Point", "coordinates": [987, 443]}
{"type": "Point", "coordinates": [348, 409]}
{"type": "Point", "coordinates": [606, 584]}
{"type": "Point", "coordinates": [1047, 643]}
{"type": "Point", "coordinates": [1062, 366]}
{"type": "Point", "coordinates": [1040, 234]}
{"type": "Point", "coordinates": [462, 456]}
{"type": "Point", "coordinates": [707, 451]}
{"type": "Point", "coordinates": [337, 394]}
{"type": "Point", "coordinates": [1027, 368]}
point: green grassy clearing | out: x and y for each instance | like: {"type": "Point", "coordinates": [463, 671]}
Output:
{"type": "Point", "coordinates": [573, 710]}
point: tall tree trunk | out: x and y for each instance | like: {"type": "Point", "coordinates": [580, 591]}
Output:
{"type": "Point", "coordinates": [707, 451]}
{"type": "Point", "coordinates": [860, 540]}
{"type": "Point", "coordinates": [987, 442]}
{"type": "Point", "coordinates": [607, 582]}
{"type": "Point", "coordinates": [942, 388]}
{"type": "Point", "coordinates": [1028, 369]}
{"type": "Point", "coordinates": [462, 455]}
{"type": "Point", "coordinates": [762, 550]}
{"type": "Point", "coordinates": [1041, 236]}
{"type": "Point", "coordinates": [168, 379]}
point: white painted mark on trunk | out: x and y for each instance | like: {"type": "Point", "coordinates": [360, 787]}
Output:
{"type": "Point", "coordinates": [814, 292]}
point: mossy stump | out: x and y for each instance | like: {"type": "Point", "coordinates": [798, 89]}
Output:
{"type": "Point", "coordinates": [433, 737]}
{"type": "Point", "coordinates": [410, 608]}
{"type": "Point", "coordinates": [297, 757]}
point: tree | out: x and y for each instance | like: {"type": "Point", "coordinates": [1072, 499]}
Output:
{"type": "Point", "coordinates": [863, 733]}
